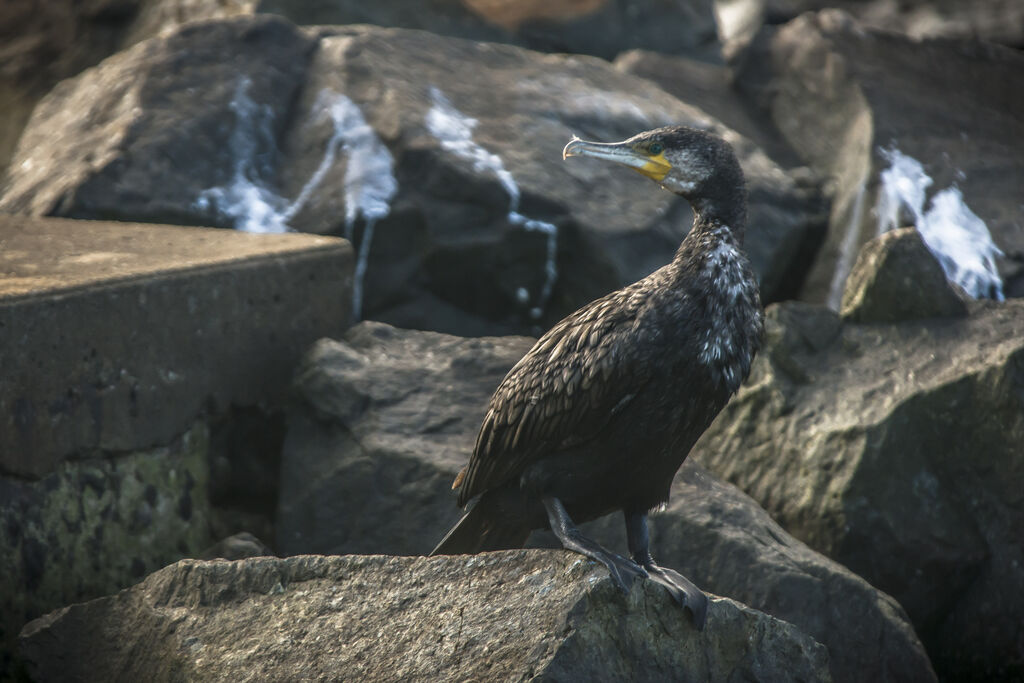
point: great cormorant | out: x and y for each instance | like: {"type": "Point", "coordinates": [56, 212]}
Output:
{"type": "Point", "coordinates": [601, 412]}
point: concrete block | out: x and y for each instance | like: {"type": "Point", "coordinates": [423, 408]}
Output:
{"type": "Point", "coordinates": [114, 337]}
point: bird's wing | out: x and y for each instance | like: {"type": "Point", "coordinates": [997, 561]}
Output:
{"type": "Point", "coordinates": [561, 393]}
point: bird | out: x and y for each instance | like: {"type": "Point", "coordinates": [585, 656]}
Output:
{"type": "Point", "coordinates": [601, 412]}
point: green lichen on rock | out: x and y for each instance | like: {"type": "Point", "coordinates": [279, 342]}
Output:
{"type": "Point", "coordinates": [99, 524]}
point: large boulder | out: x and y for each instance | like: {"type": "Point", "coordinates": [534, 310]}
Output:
{"type": "Point", "coordinates": [999, 21]}
{"type": "Point", "coordinates": [593, 27]}
{"type": "Point", "coordinates": [385, 418]}
{"type": "Point", "coordinates": [381, 423]}
{"type": "Point", "coordinates": [520, 615]}
{"type": "Point", "coordinates": [439, 157]}
{"type": "Point", "coordinates": [896, 450]}
{"type": "Point", "coordinates": [42, 43]}
{"type": "Point", "coordinates": [851, 101]}
{"type": "Point", "coordinates": [127, 354]}
{"type": "Point", "coordinates": [725, 542]}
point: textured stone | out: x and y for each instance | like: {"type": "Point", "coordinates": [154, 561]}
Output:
{"type": "Point", "coordinates": [593, 27]}
{"type": "Point", "coordinates": [896, 450]}
{"type": "Point", "coordinates": [126, 350]}
{"type": "Point", "coordinates": [720, 538]}
{"type": "Point", "coordinates": [244, 107]}
{"type": "Point", "coordinates": [896, 278]}
{"type": "Point", "coordinates": [94, 526]}
{"type": "Point", "coordinates": [385, 418]}
{"type": "Point", "coordinates": [388, 416]}
{"type": "Point", "coordinates": [842, 95]}
{"type": "Point", "coordinates": [115, 337]}
{"type": "Point", "coordinates": [999, 21]}
{"type": "Point", "coordinates": [520, 615]}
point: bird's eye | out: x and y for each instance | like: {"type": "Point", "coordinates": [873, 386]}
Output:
{"type": "Point", "coordinates": [657, 148]}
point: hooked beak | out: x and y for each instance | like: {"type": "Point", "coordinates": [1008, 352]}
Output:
{"type": "Point", "coordinates": [655, 167]}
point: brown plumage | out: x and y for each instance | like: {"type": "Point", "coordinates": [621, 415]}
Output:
{"type": "Point", "coordinates": [601, 412]}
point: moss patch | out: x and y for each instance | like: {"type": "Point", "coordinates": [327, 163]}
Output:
{"type": "Point", "coordinates": [97, 525]}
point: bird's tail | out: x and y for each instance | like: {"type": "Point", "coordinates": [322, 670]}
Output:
{"type": "Point", "coordinates": [482, 529]}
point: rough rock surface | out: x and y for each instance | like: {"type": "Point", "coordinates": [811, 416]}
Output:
{"type": "Point", "coordinates": [42, 43]}
{"type": "Point", "coordinates": [252, 122]}
{"type": "Point", "coordinates": [842, 95]}
{"type": "Point", "coordinates": [147, 101]}
{"type": "Point", "coordinates": [593, 27]}
{"type": "Point", "coordinates": [388, 416]}
{"type": "Point", "coordinates": [896, 278]}
{"type": "Point", "coordinates": [726, 543]}
{"type": "Point", "coordinates": [385, 418]}
{"type": "Point", "coordinates": [126, 350]}
{"type": "Point", "coordinates": [519, 615]}
{"type": "Point", "coordinates": [95, 526]}
{"type": "Point", "coordinates": [999, 21]}
{"type": "Point", "coordinates": [896, 450]}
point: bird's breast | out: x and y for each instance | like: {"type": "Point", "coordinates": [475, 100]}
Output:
{"type": "Point", "coordinates": [732, 319]}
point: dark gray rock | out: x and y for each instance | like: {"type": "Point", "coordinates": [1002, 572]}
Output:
{"type": "Point", "coordinates": [385, 418]}
{"type": "Point", "coordinates": [140, 136]}
{"type": "Point", "coordinates": [896, 450]}
{"type": "Point", "coordinates": [123, 349]}
{"type": "Point", "coordinates": [896, 278]}
{"type": "Point", "coordinates": [603, 28]}
{"type": "Point", "coordinates": [42, 43]}
{"type": "Point", "coordinates": [724, 541]}
{"type": "Point", "coordinates": [842, 94]}
{"type": "Point", "coordinates": [999, 21]}
{"type": "Point", "coordinates": [98, 525]}
{"type": "Point", "coordinates": [116, 337]}
{"type": "Point", "coordinates": [519, 615]}
{"type": "Point", "coordinates": [446, 145]}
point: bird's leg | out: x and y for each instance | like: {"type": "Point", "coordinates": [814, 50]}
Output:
{"type": "Point", "coordinates": [623, 572]}
{"type": "Point", "coordinates": [680, 587]}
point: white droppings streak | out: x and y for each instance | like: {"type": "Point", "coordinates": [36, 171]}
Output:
{"type": "Point", "coordinates": [454, 130]}
{"type": "Point", "coordinates": [955, 235]}
{"type": "Point", "coordinates": [245, 199]}
{"type": "Point", "coordinates": [369, 183]}
{"type": "Point", "coordinates": [904, 183]}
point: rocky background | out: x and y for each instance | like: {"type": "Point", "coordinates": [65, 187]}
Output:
{"type": "Point", "coordinates": [862, 496]}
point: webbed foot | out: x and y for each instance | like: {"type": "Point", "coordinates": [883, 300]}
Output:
{"type": "Point", "coordinates": [683, 590]}
{"type": "Point", "coordinates": [623, 572]}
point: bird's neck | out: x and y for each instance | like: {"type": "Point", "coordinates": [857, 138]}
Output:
{"type": "Point", "coordinates": [711, 229]}
{"type": "Point", "coordinates": [728, 210]}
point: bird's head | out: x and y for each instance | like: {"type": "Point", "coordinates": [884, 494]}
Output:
{"type": "Point", "coordinates": [693, 163]}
